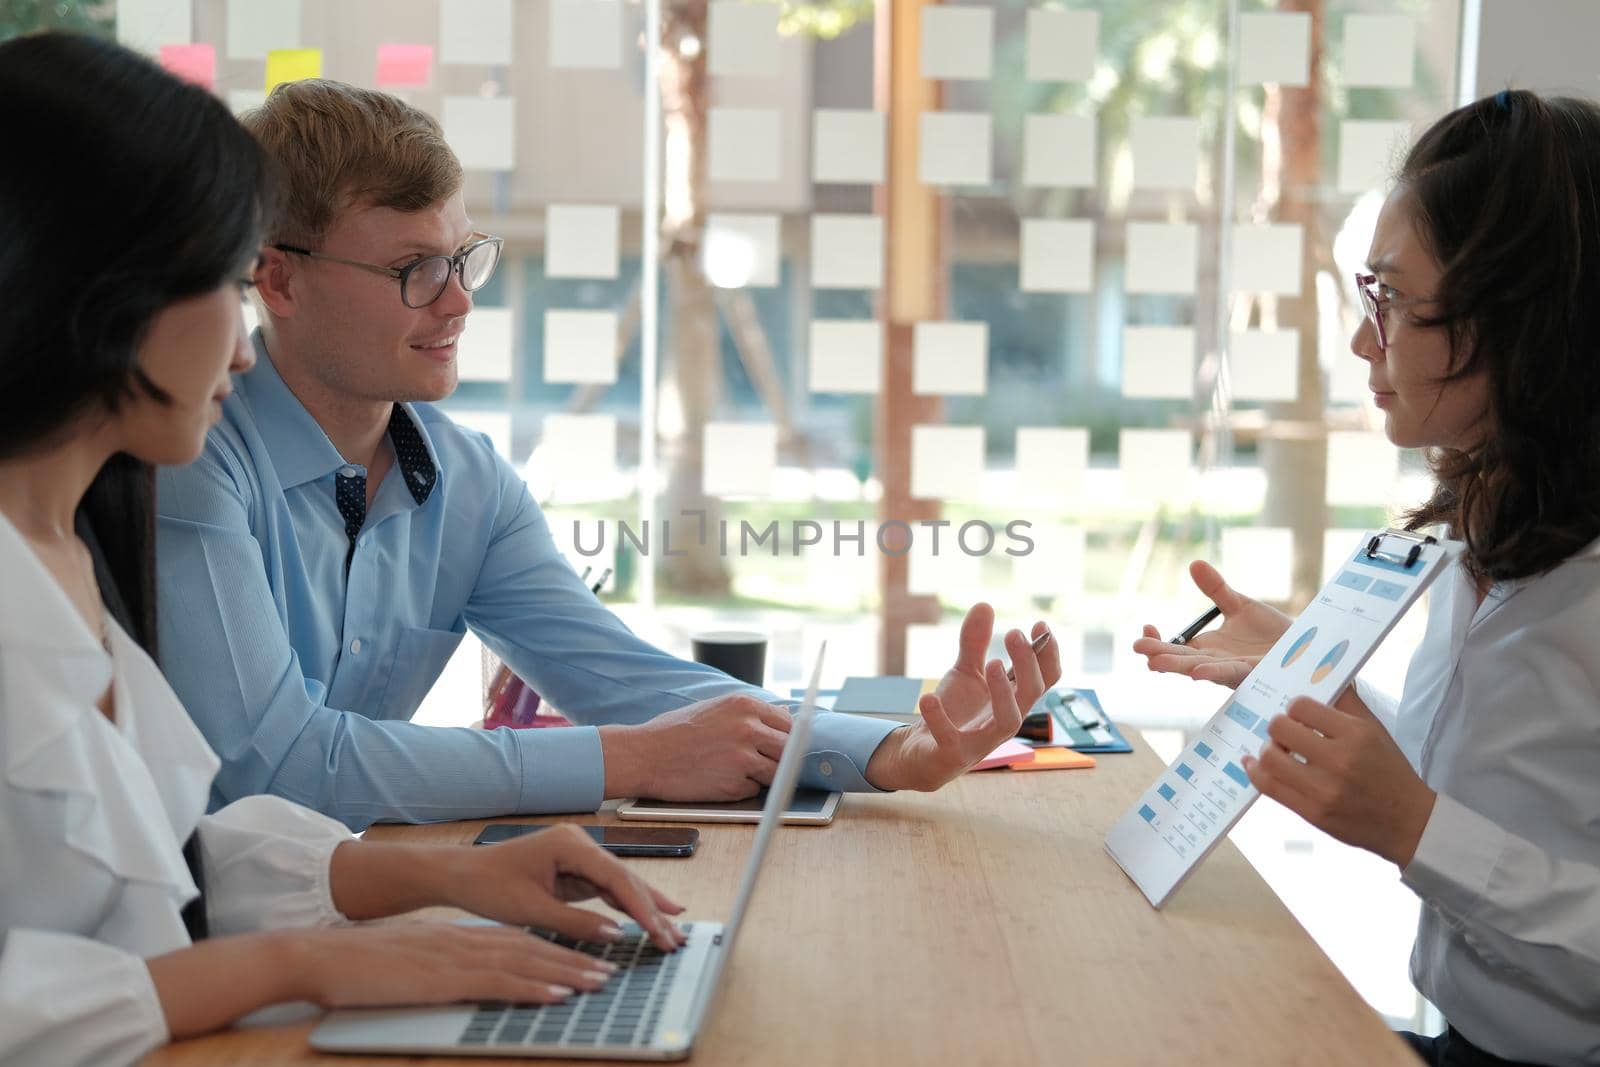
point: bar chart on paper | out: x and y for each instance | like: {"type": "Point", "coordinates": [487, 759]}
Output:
{"type": "Point", "coordinates": [1182, 816]}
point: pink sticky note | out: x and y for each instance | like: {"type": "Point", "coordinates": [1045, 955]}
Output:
{"type": "Point", "coordinates": [1009, 752]}
{"type": "Point", "coordinates": [404, 65]}
{"type": "Point", "coordinates": [192, 62]}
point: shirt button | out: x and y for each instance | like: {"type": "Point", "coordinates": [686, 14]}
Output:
{"type": "Point", "coordinates": [825, 768]}
{"type": "Point", "coordinates": [355, 647]}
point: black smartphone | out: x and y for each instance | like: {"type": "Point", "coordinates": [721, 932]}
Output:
{"type": "Point", "coordinates": [618, 840]}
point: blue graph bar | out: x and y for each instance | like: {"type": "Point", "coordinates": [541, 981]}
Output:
{"type": "Point", "coordinates": [1388, 590]}
{"type": "Point", "coordinates": [1352, 580]}
{"type": "Point", "coordinates": [1184, 772]}
{"type": "Point", "coordinates": [1202, 750]}
{"type": "Point", "coordinates": [1232, 771]}
{"type": "Point", "coordinates": [1261, 729]}
{"type": "Point", "coordinates": [1166, 791]}
{"type": "Point", "coordinates": [1147, 813]}
{"type": "Point", "coordinates": [1244, 718]}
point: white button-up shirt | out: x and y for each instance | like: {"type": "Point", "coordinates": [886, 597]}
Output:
{"type": "Point", "coordinates": [93, 816]}
{"type": "Point", "coordinates": [1501, 717]}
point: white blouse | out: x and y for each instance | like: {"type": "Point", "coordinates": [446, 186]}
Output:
{"type": "Point", "coordinates": [1501, 717]}
{"type": "Point", "coordinates": [93, 817]}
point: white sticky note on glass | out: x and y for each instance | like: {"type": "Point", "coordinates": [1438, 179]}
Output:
{"type": "Point", "coordinates": [1053, 564]}
{"type": "Point", "coordinates": [1166, 153]}
{"type": "Point", "coordinates": [1062, 44]}
{"type": "Point", "coordinates": [496, 425]}
{"type": "Point", "coordinates": [1275, 47]}
{"type": "Point", "coordinates": [946, 462]}
{"type": "Point", "coordinates": [941, 568]}
{"type": "Point", "coordinates": [1163, 257]}
{"type": "Point", "coordinates": [146, 25]}
{"type": "Point", "coordinates": [482, 131]}
{"type": "Point", "coordinates": [741, 251]}
{"type": "Point", "coordinates": [1051, 461]}
{"type": "Point", "coordinates": [847, 146]}
{"type": "Point", "coordinates": [1058, 151]}
{"type": "Point", "coordinates": [957, 42]}
{"type": "Point", "coordinates": [744, 39]}
{"type": "Point", "coordinates": [1347, 377]}
{"type": "Point", "coordinates": [242, 100]}
{"type": "Point", "coordinates": [740, 458]}
{"type": "Point", "coordinates": [1369, 152]}
{"type": "Point", "coordinates": [580, 347]}
{"type": "Point", "coordinates": [846, 356]}
{"type": "Point", "coordinates": [1057, 255]}
{"type": "Point", "coordinates": [1158, 362]}
{"type": "Point", "coordinates": [1156, 465]}
{"type": "Point", "coordinates": [954, 148]}
{"type": "Point", "coordinates": [1264, 365]}
{"type": "Point", "coordinates": [744, 144]}
{"type": "Point", "coordinates": [1258, 558]}
{"type": "Point", "coordinates": [580, 240]}
{"type": "Point", "coordinates": [578, 452]}
{"type": "Point", "coordinates": [1380, 51]}
{"type": "Point", "coordinates": [1362, 468]}
{"type": "Point", "coordinates": [485, 349]}
{"type": "Point", "coordinates": [949, 358]}
{"type": "Point", "coordinates": [1267, 258]}
{"type": "Point", "coordinates": [585, 34]}
{"type": "Point", "coordinates": [256, 27]}
{"type": "Point", "coordinates": [846, 251]}
{"type": "Point", "coordinates": [475, 31]}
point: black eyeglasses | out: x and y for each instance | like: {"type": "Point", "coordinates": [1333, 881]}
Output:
{"type": "Point", "coordinates": [423, 282]}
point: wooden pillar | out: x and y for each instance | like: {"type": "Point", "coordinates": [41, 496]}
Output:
{"type": "Point", "coordinates": [914, 290]}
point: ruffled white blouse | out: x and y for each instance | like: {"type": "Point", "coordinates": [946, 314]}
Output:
{"type": "Point", "coordinates": [93, 817]}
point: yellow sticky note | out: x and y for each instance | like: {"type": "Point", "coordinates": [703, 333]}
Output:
{"type": "Point", "coordinates": [292, 65]}
{"type": "Point", "coordinates": [1055, 759]}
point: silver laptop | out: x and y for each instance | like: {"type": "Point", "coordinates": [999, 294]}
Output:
{"type": "Point", "coordinates": [652, 1008]}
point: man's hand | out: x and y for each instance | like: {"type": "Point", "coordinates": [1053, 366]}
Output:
{"type": "Point", "coordinates": [1351, 780]}
{"type": "Point", "coordinates": [725, 748]}
{"type": "Point", "coordinates": [974, 709]}
{"type": "Point", "coordinates": [1227, 654]}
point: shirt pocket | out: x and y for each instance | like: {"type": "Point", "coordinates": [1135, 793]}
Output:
{"type": "Point", "coordinates": [419, 658]}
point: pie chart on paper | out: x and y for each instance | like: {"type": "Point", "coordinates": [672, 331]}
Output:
{"type": "Point", "coordinates": [1326, 665]}
{"type": "Point", "coordinates": [1299, 647]}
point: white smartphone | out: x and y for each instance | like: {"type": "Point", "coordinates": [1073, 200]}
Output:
{"type": "Point", "coordinates": [810, 807]}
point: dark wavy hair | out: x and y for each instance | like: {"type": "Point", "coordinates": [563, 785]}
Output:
{"type": "Point", "coordinates": [122, 190]}
{"type": "Point", "coordinates": [1505, 192]}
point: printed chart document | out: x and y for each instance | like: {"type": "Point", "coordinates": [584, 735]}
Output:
{"type": "Point", "coordinates": [1182, 816]}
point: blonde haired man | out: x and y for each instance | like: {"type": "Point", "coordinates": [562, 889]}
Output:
{"type": "Point", "coordinates": [321, 561]}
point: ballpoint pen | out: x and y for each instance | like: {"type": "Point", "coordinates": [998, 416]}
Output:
{"type": "Point", "coordinates": [1190, 632]}
{"type": "Point", "coordinates": [1038, 646]}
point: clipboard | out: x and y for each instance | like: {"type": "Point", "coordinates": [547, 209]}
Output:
{"type": "Point", "coordinates": [1186, 812]}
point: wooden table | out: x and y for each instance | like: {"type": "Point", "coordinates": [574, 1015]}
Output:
{"type": "Point", "coordinates": [981, 924]}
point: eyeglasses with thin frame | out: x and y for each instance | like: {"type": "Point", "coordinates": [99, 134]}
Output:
{"type": "Point", "coordinates": [1376, 305]}
{"type": "Point", "coordinates": [423, 282]}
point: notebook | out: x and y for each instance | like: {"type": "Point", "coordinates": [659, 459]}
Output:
{"type": "Point", "coordinates": [652, 1009]}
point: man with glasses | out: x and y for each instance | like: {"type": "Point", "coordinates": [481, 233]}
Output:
{"type": "Point", "coordinates": [321, 561]}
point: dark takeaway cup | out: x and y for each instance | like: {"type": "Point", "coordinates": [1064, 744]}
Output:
{"type": "Point", "coordinates": [738, 653]}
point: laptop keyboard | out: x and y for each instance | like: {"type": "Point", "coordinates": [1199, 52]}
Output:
{"type": "Point", "coordinates": [624, 1013]}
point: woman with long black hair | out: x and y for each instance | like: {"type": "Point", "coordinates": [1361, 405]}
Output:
{"type": "Point", "coordinates": [131, 209]}
{"type": "Point", "coordinates": [1482, 785]}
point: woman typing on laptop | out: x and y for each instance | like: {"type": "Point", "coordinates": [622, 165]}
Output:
{"type": "Point", "coordinates": [130, 213]}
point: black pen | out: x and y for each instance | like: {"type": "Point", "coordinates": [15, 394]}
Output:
{"type": "Point", "coordinates": [1038, 647]}
{"type": "Point", "coordinates": [595, 589]}
{"type": "Point", "coordinates": [1190, 632]}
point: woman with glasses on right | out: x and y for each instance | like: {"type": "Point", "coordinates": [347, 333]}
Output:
{"type": "Point", "coordinates": [1482, 785]}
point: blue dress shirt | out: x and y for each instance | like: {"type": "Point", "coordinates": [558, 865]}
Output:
{"type": "Point", "coordinates": [304, 677]}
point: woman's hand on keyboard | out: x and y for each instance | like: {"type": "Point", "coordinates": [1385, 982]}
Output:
{"type": "Point", "coordinates": [533, 880]}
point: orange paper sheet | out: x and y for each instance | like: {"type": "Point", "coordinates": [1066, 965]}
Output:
{"type": "Point", "coordinates": [1055, 759]}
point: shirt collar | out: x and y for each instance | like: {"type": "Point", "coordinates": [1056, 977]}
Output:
{"type": "Point", "coordinates": [300, 450]}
